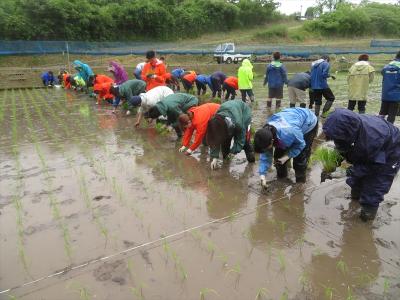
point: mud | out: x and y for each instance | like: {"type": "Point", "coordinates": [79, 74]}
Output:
{"type": "Point", "coordinates": [92, 206]}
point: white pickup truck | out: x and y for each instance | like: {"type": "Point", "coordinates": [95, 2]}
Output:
{"type": "Point", "coordinates": [225, 53]}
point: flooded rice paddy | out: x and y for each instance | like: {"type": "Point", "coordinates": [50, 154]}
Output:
{"type": "Point", "coordinates": [92, 208]}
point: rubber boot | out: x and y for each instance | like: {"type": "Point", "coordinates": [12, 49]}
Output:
{"type": "Point", "coordinates": [327, 107]}
{"type": "Point", "coordinates": [292, 105]}
{"type": "Point", "coordinates": [303, 105]}
{"type": "Point", "coordinates": [269, 104]}
{"type": "Point", "coordinates": [317, 109]}
{"type": "Point", "coordinates": [278, 104]}
{"type": "Point", "coordinates": [252, 98]}
{"type": "Point", "coordinates": [300, 176]}
{"type": "Point", "coordinates": [368, 213]}
{"type": "Point", "coordinates": [361, 112]}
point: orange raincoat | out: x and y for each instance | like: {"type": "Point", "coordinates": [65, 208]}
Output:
{"type": "Point", "coordinates": [156, 68]}
{"type": "Point", "coordinates": [102, 85]}
{"type": "Point", "coordinates": [201, 115]}
{"type": "Point", "coordinates": [232, 82]}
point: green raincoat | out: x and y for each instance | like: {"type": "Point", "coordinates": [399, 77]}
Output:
{"type": "Point", "coordinates": [132, 88]}
{"type": "Point", "coordinates": [175, 104]}
{"type": "Point", "coordinates": [245, 75]}
{"type": "Point", "coordinates": [361, 74]}
{"type": "Point", "coordinates": [240, 114]}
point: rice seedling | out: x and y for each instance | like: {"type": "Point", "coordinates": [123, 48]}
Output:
{"type": "Point", "coordinates": [328, 292]}
{"type": "Point", "coordinates": [283, 226]}
{"type": "Point", "coordinates": [138, 291]}
{"type": "Point", "coordinates": [261, 293]}
{"type": "Point", "coordinates": [83, 292]}
{"type": "Point", "coordinates": [12, 297]}
{"type": "Point", "coordinates": [329, 158]}
{"type": "Point", "coordinates": [349, 295]}
{"type": "Point", "coordinates": [300, 242]}
{"type": "Point", "coordinates": [161, 129]}
{"type": "Point", "coordinates": [342, 267]}
{"type": "Point", "coordinates": [235, 270]}
{"type": "Point", "coordinates": [282, 261]}
{"type": "Point", "coordinates": [365, 278]}
{"type": "Point", "coordinates": [386, 286]}
{"type": "Point", "coordinates": [284, 296]}
{"type": "Point", "coordinates": [304, 280]}
{"type": "Point", "coordinates": [206, 291]}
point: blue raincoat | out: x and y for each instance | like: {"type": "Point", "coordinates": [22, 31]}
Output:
{"type": "Point", "coordinates": [84, 71]}
{"type": "Point", "coordinates": [204, 80]}
{"type": "Point", "coordinates": [291, 125]}
{"type": "Point", "coordinates": [320, 74]}
{"type": "Point", "coordinates": [275, 75]}
{"type": "Point", "coordinates": [177, 73]}
{"type": "Point", "coordinates": [372, 145]}
{"type": "Point", "coordinates": [47, 78]}
{"type": "Point", "coordinates": [391, 82]}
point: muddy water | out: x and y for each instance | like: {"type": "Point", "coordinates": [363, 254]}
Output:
{"type": "Point", "coordinates": [93, 208]}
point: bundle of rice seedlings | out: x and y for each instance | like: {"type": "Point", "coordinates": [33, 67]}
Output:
{"type": "Point", "coordinates": [329, 158]}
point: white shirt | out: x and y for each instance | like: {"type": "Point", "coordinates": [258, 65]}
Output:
{"type": "Point", "coordinates": [153, 96]}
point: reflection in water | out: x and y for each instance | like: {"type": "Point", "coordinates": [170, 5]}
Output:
{"type": "Point", "coordinates": [357, 263]}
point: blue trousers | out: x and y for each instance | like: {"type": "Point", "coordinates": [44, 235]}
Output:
{"type": "Point", "coordinates": [372, 182]}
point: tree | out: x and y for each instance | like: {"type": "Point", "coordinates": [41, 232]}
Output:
{"type": "Point", "coordinates": [329, 4]}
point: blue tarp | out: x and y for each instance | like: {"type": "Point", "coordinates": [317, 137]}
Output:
{"type": "Point", "coordinates": [140, 48]}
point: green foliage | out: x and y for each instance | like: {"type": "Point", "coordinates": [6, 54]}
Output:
{"type": "Point", "coordinates": [365, 19]}
{"type": "Point", "coordinates": [127, 19]}
{"type": "Point", "coordinates": [273, 33]}
{"type": "Point", "coordinates": [328, 157]}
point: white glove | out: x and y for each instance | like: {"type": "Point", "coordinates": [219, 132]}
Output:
{"type": "Point", "coordinates": [263, 181]}
{"type": "Point", "coordinates": [214, 164]}
{"type": "Point", "coordinates": [182, 149]}
{"type": "Point", "coordinates": [188, 152]}
{"type": "Point", "coordinates": [283, 159]}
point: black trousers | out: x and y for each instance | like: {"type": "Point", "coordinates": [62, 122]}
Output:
{"type": "Point", "coordinates": [248, 148]}
{"type": "Point", "coordinates": [316, 96]}
{"type": "Point", "coordinates": [187, 85]}
{"type": "Point", "coordinates": [360, 105]}
{"type": "Point", "coordinates": [216, 86]}
{"type": "Point", "coordinates": [230, 91]}
{"type": "Point", "coordinates": [245, 93]}
{"type": "Point", "coordinates": [201, 88]}
{"type": "Point", "coordinates": [390, 109]}
{"type": "Point", "coordinates": [300, 162]}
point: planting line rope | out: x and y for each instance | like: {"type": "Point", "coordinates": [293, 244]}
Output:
{"type": "Point", "coordinates": [244, 212]}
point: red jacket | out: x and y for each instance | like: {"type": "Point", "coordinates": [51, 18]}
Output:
{"type": "Point", "coordinates": [232, 82]}
{"type": "Point", "coordinates": [102, 85]}
{"type": "Point", "coordinates": [201, 115]}
{"type": "Point", "coordinates": [191, 77]}
{"type": "Point", "coordinates": [157, 68]}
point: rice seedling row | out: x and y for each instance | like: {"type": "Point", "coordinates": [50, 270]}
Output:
{"type": "Point", "coordinates": [19, 210]}
{"type": "Point", "coordinates": [79, 175]}
{"type": "Point", "coordinates": [53, 201]}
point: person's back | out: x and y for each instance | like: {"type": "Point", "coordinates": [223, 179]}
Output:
{"type": "Point", "coordinates": [390, 105]}
{"type": "Point", "coordinates": [154, 96]}
{"type": "Point", "coordinates": [293, 118]}
{"type": "Point", "coordinates": [319, 74]}
{"type": "Point", "coordinates": [359, 78]}
{"type": "Point", "coordinates": [172, 105]}
{"type": "Point", "coordinates": [245, 75]}
{"type": "Point", "coordinates": [276, 74]}
{"type": "Point", "coordinates": [300, 81]}
{"type": "Point", "coordinates": [131, 88]}
{"type": "Point", "coordinates": [391, 81]}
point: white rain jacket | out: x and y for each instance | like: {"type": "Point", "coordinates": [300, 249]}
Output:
{"type": "Point", "coordinates": [153, 96]}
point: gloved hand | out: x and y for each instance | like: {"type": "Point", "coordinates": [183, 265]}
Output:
{"type": "Point", "coordinates": [150, 75]}
{"type": "Point", "coordinates": [214, 164]}
{"type": "Point", "coordinates": [263, 181]}
{"type": "Point", "coordinates": [182, 149]}
{"type": "Point", "coordinates": [333, 77]}
{"type": "Point", "coordinates": [188, 152]}
{"type": "Point", "coordinates": [282, 160]}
